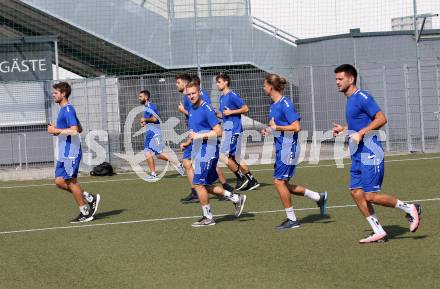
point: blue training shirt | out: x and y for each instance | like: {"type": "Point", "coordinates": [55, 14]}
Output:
{"type": "Point", "coordinates": [360, 110]}
{"type": "Point", "coordinates": [203, 119]}
{"type": "Point", "coordinates": [69, 147]}
{"type": "Point", "coordinates": [233, 101]}
{"type": "Point", "coordinates": [283, 112]}
{"type": "Point", "coordinates": [204, 95]}
{"type": "Point", "coordinates": [149, 111]}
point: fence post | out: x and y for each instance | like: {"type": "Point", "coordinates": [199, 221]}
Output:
{"type": "Point", "coordinates": [104, 115]}
{"type": "Point", "coordinates": [314, 136]}
{"type": "Point", "coordinates": [385, 100]}
{"type": "Point", "coordinates": [437, 84]}
{"type": "Point", "coordinates": [408, 113]}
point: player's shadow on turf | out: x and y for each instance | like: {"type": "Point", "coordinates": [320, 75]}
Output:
{"type": "Point", "coordinates": [243, 218]}
{"type": "Point", "coordinates": [396, 232]}
{"type": "Point", "coordinates": [316, 218]}
{"type": "Point", "coordinates": [107, 214]}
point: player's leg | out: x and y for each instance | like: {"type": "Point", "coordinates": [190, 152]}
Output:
{"type": "Point", "coordinates": [234, 166]}
{"type": "Point", "coordinates": [187, 165]}
{"type": "Point", "coordinates": [223, 182]}
{"type": "Point", "coordinates": [372, 182]}
{"type": "Point", "coordinates": [150, 163]}
{"type": "Point", "coordinates": [228, 150]}
{"type": "Point", "coordinates": [319, 197]}
{"type": "Point", "coordinates": [61, 184]}
{"type": "Point", "coordinates": [158, 147]}
{"type": "Point", "coordinates": [243, 167]}
{"type": "Point", "coordinates": [281, 175]}
{"type": "Point", "coordinates": [65, 172]}
{"type": "Point", "coordinates": [66, 178]}
{"type": "Point", "coordinates": [173, 161]}
{"type": "Point", "coordinates": [284, 193]}
{"type": "Point", "coordinates": [206, 175]}
{"type": "Point", "coordinates": [357, 181]}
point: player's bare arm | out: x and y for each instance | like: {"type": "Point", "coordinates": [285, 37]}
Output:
{"type": "Point", "coordinates": [244, 109]}
{"type": "Point", "coordinates": [379, 121]}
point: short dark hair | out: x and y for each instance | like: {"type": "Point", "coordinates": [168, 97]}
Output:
{"type": "Point", "coordinates": [146, 92]}
{"type": "Point", "coordinates": [277, 82]}
{"type": "Point", "coordinates": [184, 76]}
{"type": "Point", "coordinates": [196, 79]}
{"type": "Point", "coordinates": [63, 87]}
{"type": "Point", "coordinates": [225, 78]}
{"type": "Point", "coordinates": [348, 69]}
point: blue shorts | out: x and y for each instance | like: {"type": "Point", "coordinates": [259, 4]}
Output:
{"type": "Point", "coordinates": [283, 171]}
{"type": "Point", "coordinates": [231, 144]}
{"type": "Point", "coordinates": [187, 152]}
{"type": "Point", "coordinates": [367, 175]}
{"type": "Point", "coordinates": [206, 173]}
{"type": "Point", "coordinates": [68, 168]}
{"type": "Point", "coordinates": [153, 143]}
{"type": "Point", "coordinates": [285, 162]}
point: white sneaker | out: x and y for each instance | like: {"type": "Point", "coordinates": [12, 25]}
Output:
{"type": "Point", "coordinates": [151, 178]}
{"type": "Point", "coordinates": [375, 238]}
{"type": "Point", "coordinates": [179, 169]}
{"type": "Point", "coordinates": [204, 222]}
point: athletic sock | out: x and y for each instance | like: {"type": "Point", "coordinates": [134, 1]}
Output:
{"type": "Point", "coordinates": [207, 211]}
{"type": "Point", "coordinates": [249, 176]}
{"type": "Point", "coordinates": [87, 197]}
{"type": "Point", "coordinates": [404, 206]}
{"type": "Point", "coordinates": [85, 210]}
{"type": "Point", "coordinates": [239, 174]}
{"type": "Point", "coordinates": [312, 195]}
{"type": "Point", "coordinates": [375, 225]}
{"type": "Point", "coordinates": [232, 197]}
{"type": "Point", "coordinates": [193, 191]}
{"type": "Point", "coordinates": [290, 214]}
{"type": "Point", "coordinates": [227, 187]}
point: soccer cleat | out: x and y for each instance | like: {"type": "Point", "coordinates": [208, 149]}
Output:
{"type": "Point", "coordinates": [240, 205]}
{"type": "Point", "coordinates": [82, 218]}
{"type": "Point", "coordinates": [414, 217]}
{"type": "Point", "coordinates": [241, 183]}
{"type": "Point", "coordinates": [322, 203]}
{"type": "Point", "coordinates": [179, 169]}
{"type": "Point", "coordinates": [94, 204]}
{"type": "Point", "coordinates": [204, 222]}
{"type": "Point", "coordinates": [252, 184]}
{"type": "Point", "coordinates": [375, 238]}
{"type": "Point", "coordinates": [151, 178]}
{"type": "Point", "coordinates": [191, 198]}
{"type": "Point", "coordinates": [288, 224]}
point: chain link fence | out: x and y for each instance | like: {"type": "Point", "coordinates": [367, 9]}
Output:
{"type": "Point", "coordinates": [106, 108]}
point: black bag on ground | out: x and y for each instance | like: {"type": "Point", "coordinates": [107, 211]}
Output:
{"type": "Point", "coordinates": [104, 169]}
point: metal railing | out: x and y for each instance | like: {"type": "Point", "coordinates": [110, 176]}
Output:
{"type": "Point", "coordinates": [275, 31]}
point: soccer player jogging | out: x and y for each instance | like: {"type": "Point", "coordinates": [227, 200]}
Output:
{"type": "Point", "coordinates": [181, 81]}
{"type": "Point", "coordinates": [67, 130]}
{"type": "Point", "coordinates": [204, 138]}
{"type": "Point", "coordinates": [231, 107]}
{"type": "Point", "coordinates": [205, 96]}
{"type": "Point", "coordinates": [285, 125]}
{"type": "Point", "coordinates": [363, 116]}
{"type": "Point", "coordinates": [153, 144]}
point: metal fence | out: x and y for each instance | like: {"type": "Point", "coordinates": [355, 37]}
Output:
{"type": "Point", "coordinates": [106, 108]}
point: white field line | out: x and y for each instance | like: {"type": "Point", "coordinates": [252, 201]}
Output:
{"type": "Point", "coordinates": [177, 218]}
{"type": "Point", "coordinates": [227, 172]}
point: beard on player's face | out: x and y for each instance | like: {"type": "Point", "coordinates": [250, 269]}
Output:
{"type": "Point", "coordinates": [142, 100]}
